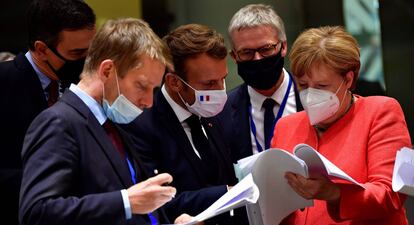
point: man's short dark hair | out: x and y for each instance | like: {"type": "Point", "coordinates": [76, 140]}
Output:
{"type": "Point", "coordinates": [188, 41]}
{"type": "Point", "coordinates": [47, 18]}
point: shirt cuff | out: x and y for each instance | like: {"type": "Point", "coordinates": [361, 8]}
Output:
{"type": "Point", "coordinates": [127, 204]}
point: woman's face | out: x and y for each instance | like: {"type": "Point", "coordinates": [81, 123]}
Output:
{"type": "Point", "coordinates": [321, 76]}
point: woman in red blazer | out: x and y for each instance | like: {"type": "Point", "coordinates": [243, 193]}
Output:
{"type": "Point", "coordinates": [358, 134]}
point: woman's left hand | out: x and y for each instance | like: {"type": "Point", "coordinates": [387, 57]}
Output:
{"type": "Point", "coordinates": [318, 187]}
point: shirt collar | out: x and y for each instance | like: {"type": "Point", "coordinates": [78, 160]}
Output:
{"type": "Point", "coordinates": [92, 104]}
{"type": "Point", "coordinates": [44, 80]}
{"type": "Point", "coordinates": [257, 99]}
{"type": "Point", "coordinates": [181, 113]}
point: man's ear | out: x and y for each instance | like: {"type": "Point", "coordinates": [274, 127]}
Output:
{"type": "Point", "coordinates": [106, 68]}
{"type": "Point", "coordinates": [173, 82]}
{"type": "Point", "coordinates": [40, 49]}
{"type": "Point", "coordinates": [283, 49]}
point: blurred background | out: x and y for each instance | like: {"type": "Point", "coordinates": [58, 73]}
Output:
{"type": "Point", "coordinates": [383, 28]}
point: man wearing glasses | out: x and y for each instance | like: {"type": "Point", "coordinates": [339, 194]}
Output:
{"type": "Point", "coordinates": [258, 40]}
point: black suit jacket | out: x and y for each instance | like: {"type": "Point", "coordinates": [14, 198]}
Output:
{"type": "Point", "coordinates": [72, 172]}
{"type": "Point", "coordinates": [235, 119]}
{"type": "Point", "coordinates": [161, 140]}
{"type": "Point", "coordinates": [22, 99]}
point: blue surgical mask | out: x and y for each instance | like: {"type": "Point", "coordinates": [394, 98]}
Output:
{"type": "Point", "coordinates": [122, 110]}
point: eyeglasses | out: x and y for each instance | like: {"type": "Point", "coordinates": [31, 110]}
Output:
{"type": "Point", "coordinates": [264, 51]}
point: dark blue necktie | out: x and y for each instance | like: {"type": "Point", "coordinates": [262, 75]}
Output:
{"type": "Point", "coordinates": [269, 117]}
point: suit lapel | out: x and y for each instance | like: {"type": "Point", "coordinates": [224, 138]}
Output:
{"type": "Point", "coordinates": [241, 110]}
{"type": "Point", "coordinates": [31, 82]}
{"type": "Point", "coordinates": [140, 171]}
{"type": "Point", "coordinates": [119, 165]}
{"type": "Point", "coordinates": [170, 121]}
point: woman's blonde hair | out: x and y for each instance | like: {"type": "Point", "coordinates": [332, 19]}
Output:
{"type": "Point", "coordinates": [329, 45]}
{"type": "Point", "coordinates": [124, 41]}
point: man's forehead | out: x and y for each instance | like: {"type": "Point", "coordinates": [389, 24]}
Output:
{"type": "Point", "coordinates": [76, 39]}
{"type": "Point", "coordinates": [254, 37]}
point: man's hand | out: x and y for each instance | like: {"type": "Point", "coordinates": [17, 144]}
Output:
{"type": "Point", "coordinates": [149, 195]}
{"type": "Point", "coordinates": [318, 187]}
{"type": "Point", "coordinates": [185, 218]}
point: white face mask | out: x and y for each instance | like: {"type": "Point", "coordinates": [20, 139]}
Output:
{"type": "Point", "coordinates": [208, 103]}
{"type": "Point", "coordinates": [320, 104]}
{"type": "Point", "coordinates": [122, 110]}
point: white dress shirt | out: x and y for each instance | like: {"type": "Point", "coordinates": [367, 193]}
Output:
{"type": "Point", "coordinates": [257, 99]}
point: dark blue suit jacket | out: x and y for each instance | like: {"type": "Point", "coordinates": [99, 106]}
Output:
{"type": "Point", "coordinates": [235, 119]}
{"type": "Point", "coordinates": [22, 99]}
{"type": "Point", "coordinates": [161, 140]}
{"type": "Point", "coordinates": [72, 172]}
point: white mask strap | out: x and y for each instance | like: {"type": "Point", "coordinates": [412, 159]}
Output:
{"type": "Point", "coordinates": [186, 83]}
{"type": "Point", "coordinates": [117, 84]}
{"type": "Point", "coordinates": [337, 90]}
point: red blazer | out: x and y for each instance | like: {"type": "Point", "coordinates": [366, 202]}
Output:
{"type": "Point", "coordinates": [363, 143]}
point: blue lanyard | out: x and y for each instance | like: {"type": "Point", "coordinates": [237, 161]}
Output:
{"type": "Point", "coordinates": [279, 115]}
{"type": "Point", "coordinates": [134, 181]}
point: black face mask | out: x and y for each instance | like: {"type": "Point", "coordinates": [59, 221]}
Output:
{"type": "Point", "coordinates": [261, 74]}
{"type": "Point", "coordinates": [70, 71]}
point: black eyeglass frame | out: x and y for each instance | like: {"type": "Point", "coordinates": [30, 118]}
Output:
{"type": "Point", "coordinates": [272, 48]}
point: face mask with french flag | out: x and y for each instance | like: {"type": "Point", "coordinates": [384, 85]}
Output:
{"type": "Point", "coordinates": [208, 103]}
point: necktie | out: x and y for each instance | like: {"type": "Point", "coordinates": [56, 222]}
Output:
{"type": "Point", "coordinates": [209, 162]}
{"type": "Point", "coordinates": [200, 140]}
{"type": "Point", "coordinates": [53, 90]}
{"type": "Point", "coordinates": [269, 117]}
{"type": "Point", "coordinates": [116, 140]}
{"type": "Point", "coordinates": [113, 134]}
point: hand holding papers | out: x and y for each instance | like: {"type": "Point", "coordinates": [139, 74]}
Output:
{"type": "Point", "coordinates": [403, 176]}
{"type": "Point", "coordinates": [243, 193]}
{"type": "Point", "coordinates": [277, 199]}
{"type": "Point", "coordinates": [318, 164]}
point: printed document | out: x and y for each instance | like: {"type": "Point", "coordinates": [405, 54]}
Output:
{"type": "Point", "coordinates": [403, 176]}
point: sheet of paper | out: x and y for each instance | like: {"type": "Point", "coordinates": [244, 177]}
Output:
{"type": "Point", "coordinates": [244, 166]}
{"type": "Point", "coordinates": [403, 176]}
{"type": "Point", "coordinates": [244, 192]}
{"type": "Point", "coordinates": [277, 198]}
{"type": "Point", "coordinates": [317, 163]}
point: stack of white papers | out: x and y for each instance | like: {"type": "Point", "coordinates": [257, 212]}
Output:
{"type": "Point", "coordinates": [403, 176]}
{"type": "Point", "coordinates": [244, 192]}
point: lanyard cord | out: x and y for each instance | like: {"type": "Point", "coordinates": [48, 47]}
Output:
{"type": "Point", "coordinates": [153, 219]}
{"type": "Point", "coordinates": [279, 115]}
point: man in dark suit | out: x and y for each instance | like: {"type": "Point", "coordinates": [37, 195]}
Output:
{"type": "Point", "coordinates": [268, 93]}
{"type": "Point", "coordinates": [60, 32]}
{"type": "Point", "coordinates": [79, 168]}
{"type": "Point", "coordinates": [180, 134]}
